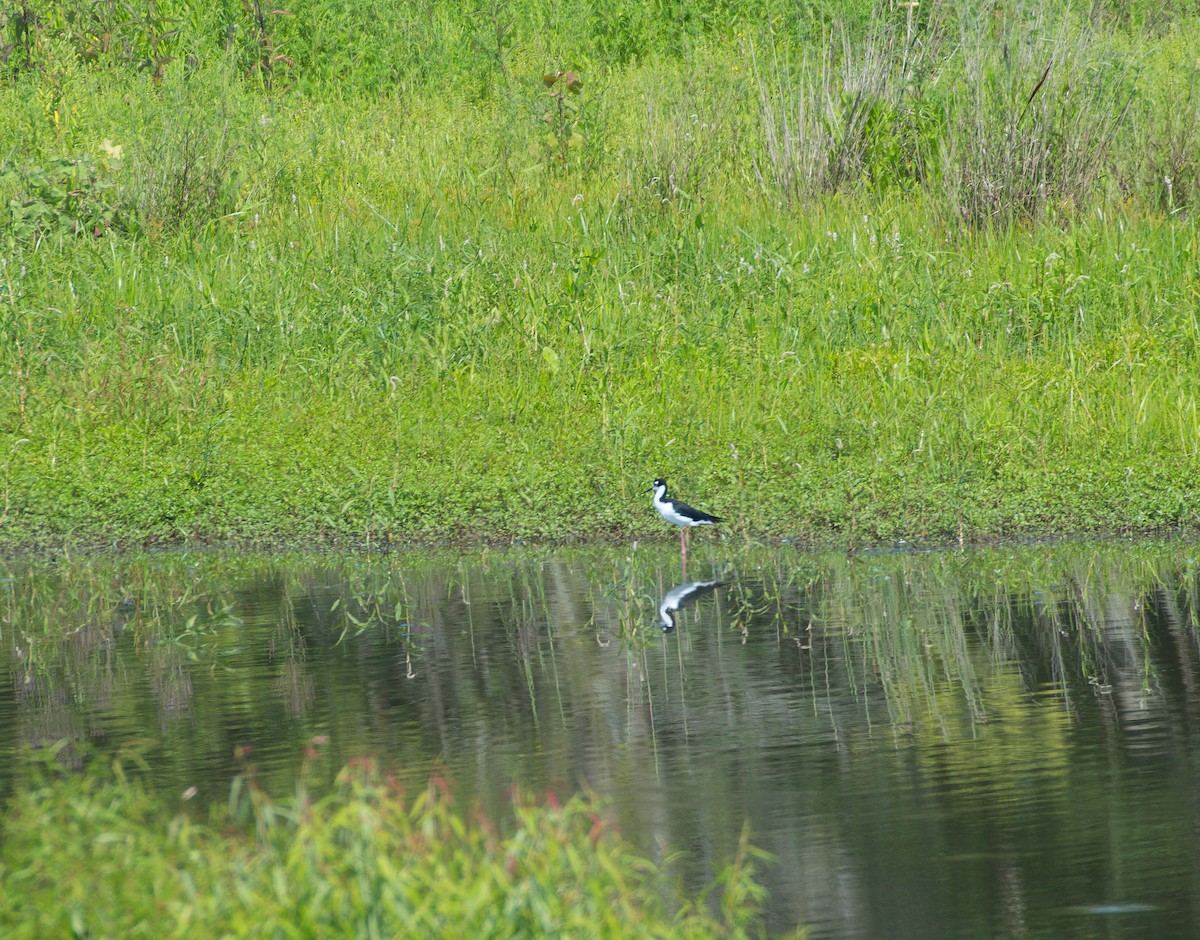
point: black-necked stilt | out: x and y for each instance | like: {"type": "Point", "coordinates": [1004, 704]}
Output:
{"type": "Point", "coordinates": [680, 514]}
{"type": "Point", "coordinates": [680, 597]}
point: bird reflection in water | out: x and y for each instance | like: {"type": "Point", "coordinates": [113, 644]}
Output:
{"type": "Point", "coordinates": [681, 596]}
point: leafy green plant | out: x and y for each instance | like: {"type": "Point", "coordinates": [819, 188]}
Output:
{"type": "Point", "coordinates": [20, 27]}
{"type": "Point", "coordinates": [268, 59]}
{"type": "Point", "coordinates": [563, 113]}
{"type": "Point", "coordinates": [143, 35]}
{"type": "Point", "coordinates": [67, 196]}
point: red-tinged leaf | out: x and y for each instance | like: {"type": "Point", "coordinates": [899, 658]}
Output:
{"type": "Point", "coordinates": [572, 81]}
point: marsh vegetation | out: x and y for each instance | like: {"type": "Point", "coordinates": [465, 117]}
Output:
{"type": "Point", "coordinates": [854, 273]}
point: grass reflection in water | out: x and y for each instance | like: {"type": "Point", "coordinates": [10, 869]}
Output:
{"type": "Point", "coordinates": [1013, 718]}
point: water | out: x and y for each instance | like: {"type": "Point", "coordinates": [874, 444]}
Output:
{"type": "Point", "coordinates": [998, 743]}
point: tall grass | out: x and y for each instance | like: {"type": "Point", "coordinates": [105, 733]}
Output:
{"type": "Point", "coordinates": [910, 288]}
{"type": "Point", "coordinates": [1042, 105]}
{"type": "Point", "coordinates": [1005, 112]}
{"type": "Point", "coordinates": [851, 112]}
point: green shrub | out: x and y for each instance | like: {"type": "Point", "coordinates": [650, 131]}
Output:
{"type": "Point", "coordinates": [66, 196]}
{"type": "Point", "coordinates": [364, 861]}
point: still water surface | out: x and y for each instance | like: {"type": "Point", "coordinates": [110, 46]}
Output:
{"type": "Point", "coordinates": [992, 743]}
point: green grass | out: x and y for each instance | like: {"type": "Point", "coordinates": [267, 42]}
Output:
{"type": "Point", "coordinates": [373, 302]}
{"type": "Point", "coordinates": [364, 861]}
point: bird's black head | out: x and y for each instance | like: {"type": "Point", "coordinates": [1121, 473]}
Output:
{"type": "Point", "coordinates": [659, 482]}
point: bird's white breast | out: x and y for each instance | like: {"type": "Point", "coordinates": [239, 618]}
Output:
{"type": "Point", "coordinates": [666, 509]}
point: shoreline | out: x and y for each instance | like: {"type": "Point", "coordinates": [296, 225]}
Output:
{"type": "Point", "coordinates": [465, 544]}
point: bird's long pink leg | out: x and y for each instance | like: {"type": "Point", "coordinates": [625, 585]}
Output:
{"type": "Point", "coordinates": [683, 550]}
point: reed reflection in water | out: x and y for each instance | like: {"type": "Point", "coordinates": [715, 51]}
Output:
{"type": "Point", "coordinates": [988, 743]}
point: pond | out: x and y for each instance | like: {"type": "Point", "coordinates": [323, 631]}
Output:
{"type": "Point", "coordinates": [993, 742]}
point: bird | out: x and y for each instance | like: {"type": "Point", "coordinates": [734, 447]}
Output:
{"type": "Point", "coordinates": [680, 596]}
{"type": "Point", "coordinates": [680, 514]}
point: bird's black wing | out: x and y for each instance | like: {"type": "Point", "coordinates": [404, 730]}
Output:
{"type": "Point", "coordinates": [685, 510]}
{"type": "Point", "coordinates": [696, 590]}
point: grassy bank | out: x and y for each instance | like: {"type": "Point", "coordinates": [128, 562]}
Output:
{"type": "Point", "coordinates": [846, 278]}
{"type": "Point", "coordinates": [362, 861]}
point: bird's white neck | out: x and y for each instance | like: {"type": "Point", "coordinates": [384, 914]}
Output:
{"type": "Point", "coordinates": [660, 492]}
